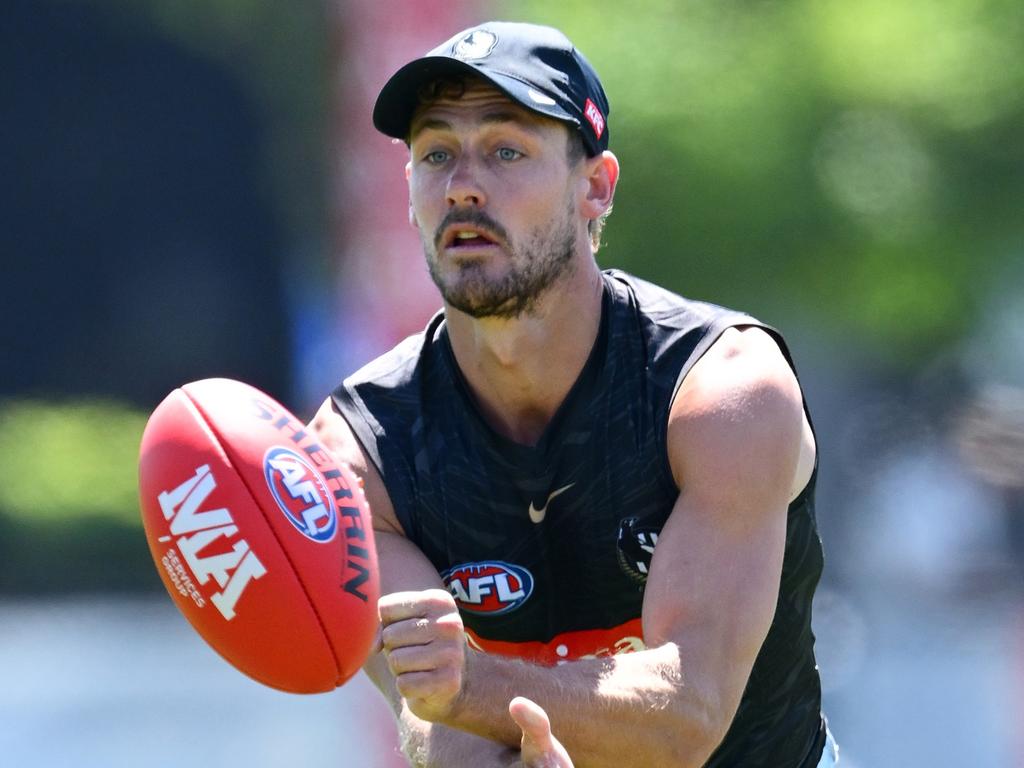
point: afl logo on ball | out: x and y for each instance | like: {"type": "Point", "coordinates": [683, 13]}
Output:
{"type": "Point", "coordinates": [490, 588]}
{"type": "Point", "coordinates": [301, 493]}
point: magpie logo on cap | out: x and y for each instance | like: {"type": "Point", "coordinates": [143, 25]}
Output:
{"type": "Point", "coordinates": [533, 65]}
{"type": "Point", "coordinates": [476, 45]}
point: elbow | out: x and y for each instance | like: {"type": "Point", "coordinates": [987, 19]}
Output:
{"type": "Point", "coordinates": [693, 750]}
{"type": "Point", "coordinates": [695, 734]}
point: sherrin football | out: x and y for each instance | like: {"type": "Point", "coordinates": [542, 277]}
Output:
{"type": "Point", "coordinates": [262, 540]}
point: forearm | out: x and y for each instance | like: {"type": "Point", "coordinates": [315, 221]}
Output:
{"type": "Point", "coordinates": [431, 745]}
{"type": "Point", "coordinates": [629, 710]}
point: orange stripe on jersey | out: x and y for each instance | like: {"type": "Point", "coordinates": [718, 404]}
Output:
{"type": "Point", "coordinates": [568, 646]}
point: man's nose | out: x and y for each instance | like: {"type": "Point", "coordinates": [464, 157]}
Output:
{"type": "Point", "coordinates": [464, 187]}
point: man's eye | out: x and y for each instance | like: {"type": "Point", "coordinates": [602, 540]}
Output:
{"type": "Point", "coordinates": [507, 153]}
{"type": "Point", "coordinates": [436, 157]}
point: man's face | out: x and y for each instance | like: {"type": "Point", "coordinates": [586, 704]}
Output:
{"type": "Point", "coordinates": [494, 199]}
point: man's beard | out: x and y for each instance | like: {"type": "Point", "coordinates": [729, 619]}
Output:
{"type": "Point", "coordinates": [532, 267]}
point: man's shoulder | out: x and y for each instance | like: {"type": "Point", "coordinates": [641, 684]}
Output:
{"type": "Point", "coordinates": [400, 365]}
{"type": "Point", "coordinates": [666, 308]}
{"type": "Point", "coordinates": [381, 401]}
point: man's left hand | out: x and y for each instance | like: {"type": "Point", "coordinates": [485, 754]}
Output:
{"type": "Point", "coordinates": [540, 749]}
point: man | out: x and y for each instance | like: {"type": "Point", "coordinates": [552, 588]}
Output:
{"type": "Point", "coordinates": [587, 491]}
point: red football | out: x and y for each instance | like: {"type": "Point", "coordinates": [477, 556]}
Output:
{"type": "Point", "coordinates": [261, 538]}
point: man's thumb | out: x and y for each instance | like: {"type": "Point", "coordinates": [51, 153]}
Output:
{"type": "Point", "coordinates": [533, 721]}
{"type": "Point", "coordinates": [540, 749]}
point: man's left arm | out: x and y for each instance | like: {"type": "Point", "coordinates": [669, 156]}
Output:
{"type": "Point", "coordinates": [735, 433]}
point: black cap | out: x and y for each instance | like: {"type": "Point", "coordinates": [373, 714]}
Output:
{"type": "Point", "coordinates": [535, 66]}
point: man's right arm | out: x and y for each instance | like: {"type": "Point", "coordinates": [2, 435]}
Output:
{"type": "Point", "coordinates": [403, 567]}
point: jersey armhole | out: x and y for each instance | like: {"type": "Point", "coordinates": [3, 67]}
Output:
{"type": "Point", "coordinates": [712, 334]}
{"type": "Point", "coordinates": [366, 430]}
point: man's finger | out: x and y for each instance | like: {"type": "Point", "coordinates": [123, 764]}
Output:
{"type": "Point", "coordinates": [539, 748]}
{"type": "Point", "coordinates": [419, 631]}
{"type": "Point", "coordinates": [398, 606]}
{"type": "Point", "coordinates": [531, 719]}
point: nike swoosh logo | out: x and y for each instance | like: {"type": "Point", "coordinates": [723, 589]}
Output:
{"type": "Point", "coordinates": [537, 515]}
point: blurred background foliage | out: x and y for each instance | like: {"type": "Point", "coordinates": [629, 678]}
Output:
{"type": "Point", "coordinates": [69, 518]}
{"type": "Point", "coordinates": [277, 53]}
{"type": "Point", "coordinates": [163, 163]}
{"type": "Point", "coordinates": [95, 445]}
{"type": "Point", "coordinates": [854, 170]}
{"type": "Point", "coordinates": [855, 163]}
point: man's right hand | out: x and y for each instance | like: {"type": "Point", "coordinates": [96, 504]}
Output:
{"type": "Point", "coordinates": [424, 642]}
{"type": "Point", "coordinates": [540, 749]}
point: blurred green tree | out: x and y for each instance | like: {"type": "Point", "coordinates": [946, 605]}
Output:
{"type": "Point", "coordinates": [853, 165]}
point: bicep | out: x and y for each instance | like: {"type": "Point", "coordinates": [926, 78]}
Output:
{"type": "Point", "coordinates": [337, 436]}
{"type": "Point", "coordinates": [713, 592]}
{"type": "Point", "coordinates": [401, 564]}
{"type": "Point", "coordinates": [734, 443]}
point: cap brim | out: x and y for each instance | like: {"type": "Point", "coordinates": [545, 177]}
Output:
{"type": "Point", "coordinates": [400, 96]}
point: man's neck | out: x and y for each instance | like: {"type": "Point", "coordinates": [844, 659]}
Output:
{"type": "Point", "coordinates": [520, 370]}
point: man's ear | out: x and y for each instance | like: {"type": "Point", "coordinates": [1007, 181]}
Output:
{"type": "Point", "coordinates": [602, 174]}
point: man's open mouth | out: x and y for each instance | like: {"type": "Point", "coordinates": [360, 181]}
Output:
{"type": "Point", "coordinates": [462, 236]}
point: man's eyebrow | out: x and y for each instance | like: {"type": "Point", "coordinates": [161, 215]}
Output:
{"type": "Point", "coordinates": [432, 124]}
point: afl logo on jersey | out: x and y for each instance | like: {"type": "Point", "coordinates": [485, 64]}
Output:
{"type": "Point", "coordinates": [301, 493]}
{"type": "Point", "coordinates": [491, 587]}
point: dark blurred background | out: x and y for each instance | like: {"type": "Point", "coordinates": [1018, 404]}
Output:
{"type": "Point", "coordinates": [192, 188]}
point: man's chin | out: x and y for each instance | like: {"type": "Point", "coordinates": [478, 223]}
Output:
{"type": "Point", "coordinates": [472, 290]}
{"type": "Point", "coordinates": [471, 293]}
{"type": "Point", "coordinates": [494, 308]}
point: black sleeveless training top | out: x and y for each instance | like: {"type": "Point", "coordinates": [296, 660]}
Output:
{"type": "Point", "coordinates": [546, 548]}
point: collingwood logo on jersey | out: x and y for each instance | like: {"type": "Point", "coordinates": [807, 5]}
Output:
{"type": "Point", "coordinates": [635, 547]}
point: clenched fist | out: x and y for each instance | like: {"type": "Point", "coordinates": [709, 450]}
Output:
{"type": "Point", "coordinates": [423, 641]}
